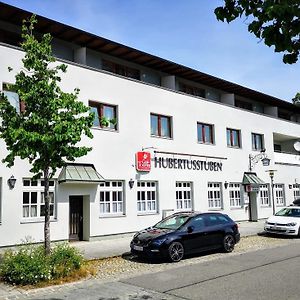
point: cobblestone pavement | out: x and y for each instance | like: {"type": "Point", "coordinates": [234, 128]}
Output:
{"type": "Point", "coordinates": [105, 285]}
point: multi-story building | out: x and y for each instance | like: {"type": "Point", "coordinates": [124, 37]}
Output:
{"type": "Point", "coordinates": [202, 135]}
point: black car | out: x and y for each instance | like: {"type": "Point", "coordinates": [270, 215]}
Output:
{"type": "Point", "coordinates": [186, 233]}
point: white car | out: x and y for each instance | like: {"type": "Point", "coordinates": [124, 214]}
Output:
{"type": "Point", "coordinates": [286, 221]}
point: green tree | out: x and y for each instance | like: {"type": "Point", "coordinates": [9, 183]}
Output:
{"type": "Point", "coordinates": [276, 22]}
{"type": "Point", "coordinates": [296, 99]}
{"type": "Point", "coordinates": [53, 122]}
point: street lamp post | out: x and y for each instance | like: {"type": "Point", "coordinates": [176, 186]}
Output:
{"type": "Point", "coordinates": [271, 174]}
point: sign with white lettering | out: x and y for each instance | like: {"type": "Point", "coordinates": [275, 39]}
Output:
{"type": "Point", "coordinates": [143, 161]}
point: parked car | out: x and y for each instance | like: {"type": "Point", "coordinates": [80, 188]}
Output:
{"type": "Point", "coordinates": [286, 221]}
{"type": "Point", "coordinates": [186, 233]}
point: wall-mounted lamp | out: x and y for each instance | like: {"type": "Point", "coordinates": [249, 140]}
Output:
{"type": "Point", "coordinates": [290, 186]}
{"type": "Point", "coordinates": [11, 182]}
{"type": "Point", "coordinates": [131, 183]}
{"type": "Point", "coordinates": [266, 161]}
{"type": "Point", "coordinates": [226, 185]}
{"type": "Point", "coordinates": [262, 156]}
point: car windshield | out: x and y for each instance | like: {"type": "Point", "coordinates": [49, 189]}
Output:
{"type": "Point", "coordinates": [289, 212]}
{"type": "Point", "coordinates": [172, 222]}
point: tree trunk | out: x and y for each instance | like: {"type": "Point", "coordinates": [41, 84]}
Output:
{"type": "Point", "coordinates": [47, 212]}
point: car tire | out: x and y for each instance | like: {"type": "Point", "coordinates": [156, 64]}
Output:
{"type": "Point", "coordinates": [175, 251]}
{"type": "Point", "coordinates": [228, 243]}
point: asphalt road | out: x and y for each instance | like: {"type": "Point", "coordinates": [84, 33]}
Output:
{"type": "Point", "coordinates": [264, 274]}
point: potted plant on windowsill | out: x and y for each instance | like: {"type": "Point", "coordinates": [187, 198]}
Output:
{"type": "Point", "coordinates": [104, 122]}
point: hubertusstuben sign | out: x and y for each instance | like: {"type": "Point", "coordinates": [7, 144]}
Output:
{"type": "Point", "coordinates": [189, 164]}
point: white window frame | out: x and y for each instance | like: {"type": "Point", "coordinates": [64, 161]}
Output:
{"type": "Point", "coordinates": [39, 190]}
{"type": "Point", "coordinates": [112, 189]}
{"type": "Point", "coordinates": [264, 195]}
{"type": "Point", "coordinates": [147, 190]}
{"type": "Point", "coordinates": [214, 195]}
{"type": "Point", "coordinates": [279, 194]}
{"type": "Point", "coordinates": [235, 194]}
{"type": "Point", "coordinates": [296, 190]}
{"type": "Point", "coordinates": [184, 195]}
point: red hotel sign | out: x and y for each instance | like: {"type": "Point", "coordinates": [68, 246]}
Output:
{"type": "Point", "coordinates": [143, 161]}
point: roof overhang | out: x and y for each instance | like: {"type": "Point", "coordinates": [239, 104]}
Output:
{"type": "Point", "coordinates": [250, 178]}
{"type": "Point", "coordinates": [70, 34]}
{"type": "Point", "coordinates": [79, 173]}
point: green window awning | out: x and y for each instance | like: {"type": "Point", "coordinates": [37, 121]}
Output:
{"type": "Point", "coordinates": [252, 179]}
{"type": "Point", "coordinates": [79, 173]}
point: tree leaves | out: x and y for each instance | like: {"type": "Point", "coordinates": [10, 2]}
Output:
{"type": "Point", "coordinates": [275, 22]}
{"type": "Point", "coordinates": [54, 121]}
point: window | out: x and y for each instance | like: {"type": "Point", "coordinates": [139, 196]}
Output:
{"type": "Point", "coordinates": [10, 92]}
{"type": "Point", "coordinates": [184, 195]}
{"type": "Point", "coordinates": [233, 138]}
{"type": "Point", "coordinates": [111, 197]}
{"type": "Point", "coordinates": [235, 194]}
{"type": "Point", "coordinates": [296, 191]}
{"type": "Point", "coordinates": [147, 196]}
{"type": "Point", "coordinates": [34, 200]}
{"type": "Point", "coordinates": [205, 133]}
{"type": "Point", "coordinates": [264, 195]}
{"type": "Point", "coordinates": [279, 194]}
{"type": "Point", "coordinates": [105, 115]}
{"type": "Point", "coordinates": [243, 104]}
{"type": "Point", "coordinates": [257, 141]}
{"type": "Point", "coordinates": [214, 195]}
{"type": "Point", "coordinates": [191, 90]}
{"type": "Point", "coordinates": [197, 222]}
{"type": "Point", "coordinates": [277, 147]}
{"type": "Point", "coordinates": [120, 69]}
{"type": "Point", "coordinates": [161, 126]}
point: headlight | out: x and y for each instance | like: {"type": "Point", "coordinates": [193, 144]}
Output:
{"type": "Point", "coordinates": [158, 242]}
{"type": "Point", "coordinates": [291, 224]}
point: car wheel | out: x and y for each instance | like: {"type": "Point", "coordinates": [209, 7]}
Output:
{"type": "Point", "coordinates": [176, 251]}
{"type": "Point", "coordinates": [228, 243]}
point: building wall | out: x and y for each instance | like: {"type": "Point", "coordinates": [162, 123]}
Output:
{"type": "Point", "coordinates": [113, 154]}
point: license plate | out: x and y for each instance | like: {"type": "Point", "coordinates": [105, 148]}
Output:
{"type": "Point", "coordinates": [138, 248]}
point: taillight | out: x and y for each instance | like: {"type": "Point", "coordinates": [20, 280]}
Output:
{"type": "Point", "coordinates": [236, 227]}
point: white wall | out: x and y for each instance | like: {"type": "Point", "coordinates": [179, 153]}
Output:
{"type": "Point", "coordinates": [114, 152]}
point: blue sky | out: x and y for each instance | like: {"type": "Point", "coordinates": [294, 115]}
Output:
{"type": "Point", "coordinates": [183, 31]}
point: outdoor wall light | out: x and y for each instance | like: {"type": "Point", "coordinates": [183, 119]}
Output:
{"type": "Point", "coordinates": [225, 185]}
{"type": "Point", "coordinates": [131, 183]}
{"type": "Point", "coordinates": [290, 186]}
{"type": "Point", "coordinates": [254, 159]}
{"type": "Point", "coordinates": [11, 182]}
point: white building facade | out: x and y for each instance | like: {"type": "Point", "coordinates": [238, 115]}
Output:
{"type": "Point", "coordinates": [199, 134]}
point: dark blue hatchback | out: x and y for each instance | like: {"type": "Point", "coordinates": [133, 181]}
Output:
{"type": "Point", "coordinates": [186, 233]}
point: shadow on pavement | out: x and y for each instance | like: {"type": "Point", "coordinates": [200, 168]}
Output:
{"type": "Point", "coordinates": [158, 260]}
{"type": "Point", "coordinates": [277, 236]}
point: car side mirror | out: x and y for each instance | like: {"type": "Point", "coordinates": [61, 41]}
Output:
{"type": "Point", "coordinates": [190, 229]}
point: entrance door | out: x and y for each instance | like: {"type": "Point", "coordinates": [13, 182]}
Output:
{"type": "Point", "coordinates": [76, 218]}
